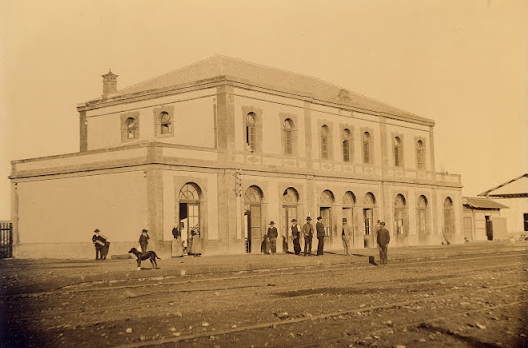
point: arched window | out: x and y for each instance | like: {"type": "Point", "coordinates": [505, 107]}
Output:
{"type": "Point", "coordinates": [290, 196]}
{"type": "Point", "coordinates": [324, 142]}
{"type": "Point", "coordinates": [250, 131]}
{"type": "Point", "coordinates": [253, 195]}
{"type": "Point", "coordinates": [421, 212]}
{"type": "Point", "coordinates": [131, 128]}
{"type": "Point", "coordinates": [349, 199]}
{"type": "Point", "coordinates": [288, 136]}
{"type": "Point", "coordinates": [448, 217]}
{"type": "Point", "coordinates": [326, 201]}
{"type": "Point", "coordinates": [165, 123]}
{"type": "Point", "coordinates": [367, 139]}
{"type": "Point", "coordinates": [399, 214]}
{"type": "Point", "coordinates": [420, 155]}
{"type": "Point", "coordinates": [346, 145]}
{"type": "Point", "coordinates": [398, 152]}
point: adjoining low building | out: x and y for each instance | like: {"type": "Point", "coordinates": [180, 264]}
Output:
{"type": "Point", "coordinates": [225, 146]}
{"type": "Point", "coordinates": [514, 194]}
{"type": "Point", "coordinates": [482, 219]}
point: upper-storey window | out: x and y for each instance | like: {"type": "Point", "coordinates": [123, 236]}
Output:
{"type": "Point", "coordinates": [165, 123]}
{"type": "Point", "coordinates": [367, 142]}
{"type": "Point", "coordinates": [131, 128]}
{"type": "Point", "coordinates": [420, 155]}
{"type": "Point", "coordinates": [398, 152]}
{"type": "Point", "coordinates": [346, 145]}
{"type": "Point", "coordinates": [250, 132]}
{"type": "Point", "coordinates": [288, 136]}
{"type": "Point", "coordinates": [324, 142]}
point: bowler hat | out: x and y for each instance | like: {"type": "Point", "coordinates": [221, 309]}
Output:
{"type": "Point", "coordinates": [309, 218]}
{"type": "Point", "coordinates": [97, 230]}
{"type": "Point", "coordinates": [144, 230]}
{"type": "Point", "coordinates": [294, 220]}
{"type": "Point", "coordinates": [319, 218]}
{"type": "Point", "coordinates": [344, 219]}
{"type": "Point", "coordinates": [272, 222]}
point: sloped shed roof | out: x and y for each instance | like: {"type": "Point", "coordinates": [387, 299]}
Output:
{"type": "Point", "coordinates": [517, 187]}
{"type": "Point", "coordinates": [481, 203]}
{"type": "Point", "coordinates": [267, 77]}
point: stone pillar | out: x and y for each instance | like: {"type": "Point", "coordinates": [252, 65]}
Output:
{"type": "Point", "coordinates": [83, 131]}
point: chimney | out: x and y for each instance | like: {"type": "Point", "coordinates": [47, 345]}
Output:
{"type": "Point", "coordinates": [109, 84]}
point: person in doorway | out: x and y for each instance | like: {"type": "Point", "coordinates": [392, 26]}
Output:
{"type": "Point", "coordinates": [320, 236]}
{"type": "Point", "coordinates": [272, 235]}
{"type": "Point", "coordinates": [296, 235]}
{"type": "Point", "coordinates": [346, 234]}
{"type": "Point", "coordinates": [143, 240]}
{"type": "Point", "coordinates": [99, 242]}
{"type": "Point", "coordinates": [383, 240]}
{"type": "Point", "coordinates": [308, 235]}
{"type": "Point", "coordinates": [177, 246]}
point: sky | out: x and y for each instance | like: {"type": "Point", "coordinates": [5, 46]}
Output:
{"type": "Point", "coordinates": [461, 63]}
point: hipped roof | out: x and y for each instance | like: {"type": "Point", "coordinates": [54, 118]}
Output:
{"type": "Point", "coordinates": [267, 77]}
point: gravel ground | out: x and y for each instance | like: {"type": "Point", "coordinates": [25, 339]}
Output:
{"type": "Point", "coordinates": [463, 296]}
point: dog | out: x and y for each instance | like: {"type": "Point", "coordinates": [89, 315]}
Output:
{"type": "Point", "coordinates": [149, 255]}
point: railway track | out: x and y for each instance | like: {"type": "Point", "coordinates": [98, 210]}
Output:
{"type": "Point", "coordinates": [274, 324]}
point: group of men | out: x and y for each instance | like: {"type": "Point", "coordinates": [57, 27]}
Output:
{"type": "Point", "coordinates": [383, 238]}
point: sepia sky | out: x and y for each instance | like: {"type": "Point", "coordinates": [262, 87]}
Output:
{"type": "Point", "coordinates": [460, 63]}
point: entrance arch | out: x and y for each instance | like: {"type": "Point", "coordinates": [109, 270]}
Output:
{"type": "Point", "coordinates": [326, 202]}
{"type": "Point", "coordinates": [421, 219]}
{"type": "Point", "coordinates": [449, 219]}
{"type": "Point", "coordinates": [290, 201]}
{"type": "Point", "coordinates": [400, 220]}
{"type": "Point", "coordinates": [253, 219]}
{"type": "Point", "coordinates": [189, 209]}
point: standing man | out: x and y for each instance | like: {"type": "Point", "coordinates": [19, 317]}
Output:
{"type": "Point", "coordinates": [273, 234]}
{"type": "Point", "coordinates": [346, 234]}
{"type": "Point", "coordinates": [320, 235]}
{"type": "Point", "coordinates": [308, 234]}
{"type": "Point", "coordinates": [383, 242]}
{"type": "Point", "coordinates": [99, 242]}
{"type": "Point", "coordinates": [143, 240]}
{"type": "Point", "coordinates": [177, 247]}
{"type": "Point", "coordinates": [296, 233]}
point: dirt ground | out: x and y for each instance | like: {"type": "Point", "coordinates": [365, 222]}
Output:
{"type": "Point", "coordinates": [475, 297]}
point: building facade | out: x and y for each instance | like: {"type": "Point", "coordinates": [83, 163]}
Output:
{"type": "Point", "coordinates": [225, 146]}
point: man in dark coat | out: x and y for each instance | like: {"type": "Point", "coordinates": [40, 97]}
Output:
{"type": "Point", "coordinates": [308, 234]}
{"type": "Point", "coordinates": [143, 240]}
{"type": "Point", "coordinates": [320, 236]}
{"type": "Point", "coordinates": [383, 240]}
{"type": "Point", "coordinates": [272, 235]}
{"type": "Point", "coordinates": [99, 242]}
{"type": "Point", "coordinates": [296, 234]}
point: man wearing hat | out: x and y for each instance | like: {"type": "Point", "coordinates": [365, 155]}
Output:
{"type": "Point", "coordinates": [346, 234]}
{"type": "Point", "coordinates": [383, 240]}
{"type": "Point", "coordinates": [296, 233]}
{"type": "Point", "coordinates": [320, 235]}
{"type": "Point", "coordinates": [272, 235]}
{"type": "Point", "coordinates": [99, 242]}
{"type": "Point", "coordinates": [143, 240]}
{"type": "Point", "coordinates": [308, 234]}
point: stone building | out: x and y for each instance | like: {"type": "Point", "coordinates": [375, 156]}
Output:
{"type": "Point", "coordinates": [482, 219]}
{"type": "Point", "coordinates": [225, 146]}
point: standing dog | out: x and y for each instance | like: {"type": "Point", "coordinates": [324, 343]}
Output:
{"type": "Point", "coordinates": [149, 255]}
